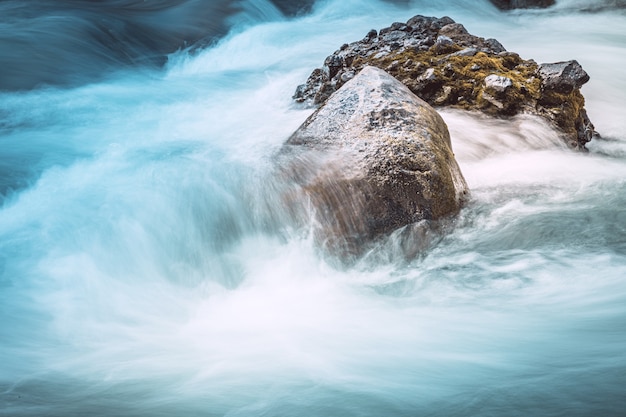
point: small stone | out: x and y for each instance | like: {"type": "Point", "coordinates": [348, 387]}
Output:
{"type": "Point", "coordinates": [399, 26]}
{"type": "Point", "coordinates": [465, 52]}
{"type": "Point", "coordinates": [425, 43]}
{"type": "Point", "coordinates": [563, 77]}
{"type": "Point", "coordinates": [347, 76]}
{"type": "Point", "coordinates": [372, 34]}
{"type": "Point", "coordinates": [334, 63]}
{"type": "Point", "coordinates": [453, 29]}
{"type": "Point", "coordinates": [443, 44]}
{"type": "Point", "coordinates": [439, 23]}
{"type": "Point", "coordinates": [494, 46]}
{"type": "Point", "coordinates": [393, 36]}
{"type": "Point", "coordinates": [444, 40]}
{"type": "Point", "coordinates": [475, 67]}
{"type": "Point", "coordinates": [428, 75]}
{"type": "Point", "coordinates": [300, 93]}
{"type": "Point", "coordinates": [498, 83]}
{"type": "Point", "coordinates": [423, 24]}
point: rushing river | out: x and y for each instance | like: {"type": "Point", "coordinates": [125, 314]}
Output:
{"type": "Point", "coordinates": [139, 276]}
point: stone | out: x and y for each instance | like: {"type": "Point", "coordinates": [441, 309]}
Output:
{"type": "Point", "coordinates": [438, 60]}
{"type": "Point", "coordinates": [465, 52]}
{"type": "Point", "coordinates": [494, 45]}
{"type": "Point", "coordinates": [563, 77]}
{"type": "Point", "coordinates": [428, 75]}
{"type": "Point", "coordinates": [372, 159]}
{"type": "Point", "coordinates": [372, 34]}
{"type": "Point", "coordinates": [498, 83]}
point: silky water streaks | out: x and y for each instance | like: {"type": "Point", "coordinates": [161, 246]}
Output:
{"type": "Point", "coordinates": [144, 271]}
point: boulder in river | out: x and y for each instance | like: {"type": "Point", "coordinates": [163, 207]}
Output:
{"type": "Point", "coordinates": [438, 60]}
{"type": "Point", "coordinates": [373, 158]}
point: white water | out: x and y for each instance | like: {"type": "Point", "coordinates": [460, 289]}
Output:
{"type": "Point", "coordinates": [137, 276]}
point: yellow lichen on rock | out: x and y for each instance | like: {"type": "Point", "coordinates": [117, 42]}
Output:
{"type": "Point", "coordinates": [438, 60]}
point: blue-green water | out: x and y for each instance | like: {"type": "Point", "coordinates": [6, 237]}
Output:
{"type": "Point", "coordinates": [139, 276]}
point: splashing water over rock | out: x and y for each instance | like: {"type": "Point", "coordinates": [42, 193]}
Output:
{"type": "Point", "coordinates": [372, 159]}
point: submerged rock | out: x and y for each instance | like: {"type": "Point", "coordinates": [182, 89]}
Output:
{"type": "Point", "coordinates": [438, 60]}
{"type": "Point", "coordinates": [522, 4]}
{"type": "Point", "coordinates": [373, 158]}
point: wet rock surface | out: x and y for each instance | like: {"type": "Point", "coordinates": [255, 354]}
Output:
{"type": "Point", "coordinates": [563, 77]}
{"type": "Point", "coordinates": [373, 158]}
{"type": "Point", "coordinates": [438, 60]}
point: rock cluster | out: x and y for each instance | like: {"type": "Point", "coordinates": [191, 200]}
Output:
{"type": "Point", "coordinates": [373, 158]}
{"type": "Point", "coordinates": [438, 60]}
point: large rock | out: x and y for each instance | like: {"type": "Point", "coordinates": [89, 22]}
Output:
{"type": "Point", "coordinates": [447, 66]}
{"type": "Point", "coordinates": [373, 158]}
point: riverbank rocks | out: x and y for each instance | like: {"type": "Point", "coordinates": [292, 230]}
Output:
{"type": "Point", "coordinates": [438, 60]}
{"type": "Point", "coordinates": [373, 158]}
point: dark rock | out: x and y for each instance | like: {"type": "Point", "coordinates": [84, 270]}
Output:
{"type": "Point", "coordinates": [373, 158]}
{"type": "Point", "coordinates": [313, 85]}
{"type": "Point", "coordinates": [522, 4]}
{"type": "Point", "coordinates": [563, 77]}
{"type": "Point", "coordinates": [447, 66]}
{"type": "Point", "coordinates": [494, 45]}
{"type": "Point", "coordinates": [584, 127]}
{"type": "Point", "coordinates": [444, 44]}
{"type": "Point", "coordinates": [372, 34]}
{"type": "Point", "coordinates": [562, 102]}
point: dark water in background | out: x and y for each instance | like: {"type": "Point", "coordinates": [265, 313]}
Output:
{"type": "Point", "coordinates": [76, 41]}
{"type": "Point", "coordinates": [137, 277]}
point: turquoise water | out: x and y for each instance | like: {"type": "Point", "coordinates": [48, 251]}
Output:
{"type": "Point", "coordinates": [140, 275]}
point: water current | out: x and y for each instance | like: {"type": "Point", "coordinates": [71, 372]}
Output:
{"type": "Point", "coordinates": [139, 275]}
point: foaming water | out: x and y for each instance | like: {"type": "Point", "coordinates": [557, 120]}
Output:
{"type": "Point", "coordinates": [141, 274]}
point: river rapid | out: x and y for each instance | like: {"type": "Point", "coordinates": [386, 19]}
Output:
{"type": "Point", "coordinates": [140, 275]}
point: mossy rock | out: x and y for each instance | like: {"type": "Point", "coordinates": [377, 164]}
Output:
{"type": "Point", "coordinates": [438, 60]}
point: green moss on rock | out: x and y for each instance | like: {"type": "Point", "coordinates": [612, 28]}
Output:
{"type": "Point", "coordinates": [443, 64]}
